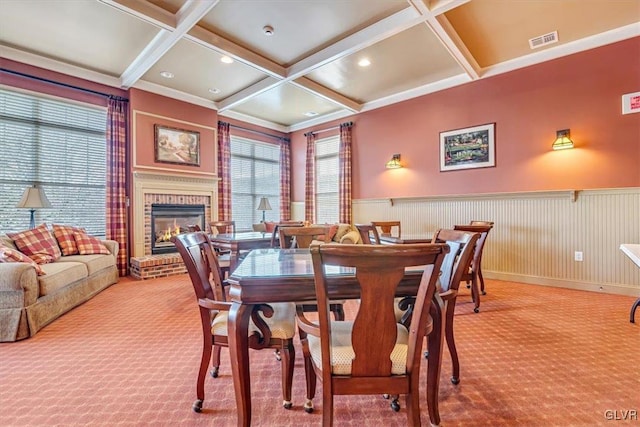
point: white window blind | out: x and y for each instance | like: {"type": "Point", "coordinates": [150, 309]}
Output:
{"type": "Point", "coordinates": [61, 146]}
{"type": "Point", "coordinates": [255, 173]}
{"type": "Point", "coordinates": [327, 175]}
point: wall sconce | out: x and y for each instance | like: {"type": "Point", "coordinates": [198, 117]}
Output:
{"type": "Point", "coordinates": [563, 140]}
{"type": "Point", "coordinates": [394, 163]}
{"type": "Point", "coordinates": [263, 206]}
{"type": "Point", "coordinates": [33, 198]}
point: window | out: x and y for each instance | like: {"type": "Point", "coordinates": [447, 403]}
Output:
{"type": "Point", "coordinates": [327, 170]}
{"type": "Point", "coordinates": [59, 145]}
{"type": "Point", "coordinates": [255, 173]}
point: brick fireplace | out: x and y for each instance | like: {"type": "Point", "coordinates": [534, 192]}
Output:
{"type": "Point", "coordinates": [165, 189]}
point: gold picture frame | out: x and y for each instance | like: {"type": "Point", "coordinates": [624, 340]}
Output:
{"type": "Point", "coordinates": [176, 146]}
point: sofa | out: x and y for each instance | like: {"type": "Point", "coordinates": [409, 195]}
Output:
{"type": "Point", "coordinates": [33, 294]}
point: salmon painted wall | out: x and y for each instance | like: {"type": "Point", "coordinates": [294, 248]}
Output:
{"type": "Point", "coordinates": [148, 109]}
{"type": "Point", "coordinates": [581, 92]}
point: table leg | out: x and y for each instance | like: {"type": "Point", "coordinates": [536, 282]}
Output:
{"type": "Point", "coordinates": [434, 361]}
{"type": "Point", "coordinates": [239, 316]}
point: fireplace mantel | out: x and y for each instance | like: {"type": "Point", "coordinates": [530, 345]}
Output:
{"type": "Point", "coordinates": [145, 183]}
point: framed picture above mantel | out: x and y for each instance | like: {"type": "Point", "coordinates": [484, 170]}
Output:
{"type": "Point", "coordinates": [468, 148]}
{"type": "Point", "coordinates": [176, 146]}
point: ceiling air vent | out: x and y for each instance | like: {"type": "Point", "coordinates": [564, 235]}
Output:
{"type": "Point", "coordinates": [543, 40]}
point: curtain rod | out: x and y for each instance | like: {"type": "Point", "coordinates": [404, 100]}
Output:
{"type": "Point", "coordinates": [53, 82]}
{"type": "Point", "coordinates": [328, 129]}
{"type": "Point", "coordinates": [258, 132]}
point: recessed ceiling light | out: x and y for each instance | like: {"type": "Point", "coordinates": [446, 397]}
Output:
{"type": "Point", "coordinates": [167, 74]}
{"type": "Point", "coordinates": [310, 113]}
{"type": "Point", "coordinates": [214, 90]}
{"type": "Point", "coordinates": [364, 62]}
{"type": "Point", "coordinates": [268, 30]}
{"type": "Point", "coordinates": [226, 59]}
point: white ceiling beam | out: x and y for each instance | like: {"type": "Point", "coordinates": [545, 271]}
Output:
{"type": "Point", "coordinates": [366, 37]}
{"type": "Point", "coordinates": [326, 93]}
{"type": "Point", "coordinates": [442, 6]}
{"type": "Point", "coordinates": [188, 16]}
{"type": "Point", "coordinates": [147, 12]}
{"type": "Point", "coordinates": [223, 46]}
{"type": "Point", "coordinates": [440, 26]}
{"type": "Point", "coordinates": [248, 92]}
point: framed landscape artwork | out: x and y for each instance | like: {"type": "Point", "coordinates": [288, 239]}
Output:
{"type": "Point", "coordinates": [468, 148]}
{"type": "Point", "coordinates": [177, 146]}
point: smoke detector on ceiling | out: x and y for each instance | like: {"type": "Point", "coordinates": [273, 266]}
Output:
{"type": "Point", "coordinates": [268, 30]}
{"type": "Point", "coordinates": [543, 40]}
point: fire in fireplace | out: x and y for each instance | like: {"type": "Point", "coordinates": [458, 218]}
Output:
{"type": "Point", "coordinates": [168, 220]}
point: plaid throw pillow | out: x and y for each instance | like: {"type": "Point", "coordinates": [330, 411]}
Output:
{"type": "Point", "coordinates": [11, 255]}
{"type": "Point", "coordinates": [38, 244]}
{"type": "Point", "coordinates": [89, 245]}
{"type": "Point", "coordinates": [64, 236]}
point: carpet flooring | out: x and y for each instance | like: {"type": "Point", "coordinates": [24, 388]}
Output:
{"type": "Point", "coordinates": [533, 356]}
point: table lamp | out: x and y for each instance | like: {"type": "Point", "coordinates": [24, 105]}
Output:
{"type": "Point", "coordinates": [263, 206]}
{"type": "Point", "coordinates": [33, 198]}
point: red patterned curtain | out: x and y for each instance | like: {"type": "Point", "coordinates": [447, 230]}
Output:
{"type": "Point", "coordinates": [224, 172]}
{"type": "Point", "coordinates": [310, 180]}
{"type": "Point", "coordinates": [285, 179]}
{"type": "Point", "coordinates": [117, 179]}
{"type": "Point", "coordinates": [344, 177]}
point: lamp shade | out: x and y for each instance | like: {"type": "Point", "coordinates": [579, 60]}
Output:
{"type": "Point", "coordinates": [563, 140]}
{"type": "Point", "coordinates": [394, 163]}
{"type": "Point", "coordinates": [264, 205]}
{"type": "Point", "coordinates": [33, 198]}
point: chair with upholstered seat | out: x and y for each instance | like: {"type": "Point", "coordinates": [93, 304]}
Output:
{"type": "Point", "coordinates": [222, 227]}
{"type": "Point", "coordinates": [272, 326]}
{"type": "Point", "coordinates": [373, 354]}
{"type": "Point", "coordinates": [388, 228]}
{"type": "Point", "coordinates": [474, 275]}
{"type": "Point", "coordinates": [368, 234]}
{"type": "Point", "coordinates": [302, 237]}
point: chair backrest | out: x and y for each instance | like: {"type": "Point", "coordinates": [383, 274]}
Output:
{"type": "Point", "coordinates": [202, 264]}
{"type": "Point", "coordinates": [368, 234]}
{"type": "Point", "coordinates": [275, 235]}
{"type": "Point", "coordinates": [379, 269]}
{"type": "Point", "coordinates": [462, 245]}
{"type": "Point", "coordinates": [476, 222]}
{"type": "Point", "coordinates": [222, 227]}
{"type": "Point", "coordinates": [386, 228]}
{"type": "Point", "coordinates": [484, 232]}
{"type": "Point", "coordinates": [303, 236]}
{"type": "Point", "coordinates": [194, 227]}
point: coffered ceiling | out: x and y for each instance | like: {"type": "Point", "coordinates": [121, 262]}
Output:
{"type": "Point", "coordinates": [295, 63]}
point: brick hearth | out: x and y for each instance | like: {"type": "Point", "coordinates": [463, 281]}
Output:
{"type": "Point", "coordinates": [152, 266]}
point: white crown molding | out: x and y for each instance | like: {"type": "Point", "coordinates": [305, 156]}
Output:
{"type": "Point", "coordinates": [59, 67]}
{"type": "Point", "coordinates": [175, 94]}
{"type": "Point", "coordinates": [321, 119]}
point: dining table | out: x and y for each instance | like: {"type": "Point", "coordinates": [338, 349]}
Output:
{"type": "Point", "coordinates": [286, 275]}
{"type": "Point", "coordinates": [424, 237]}
{"type": "Point", "coordinates": [239, 243]}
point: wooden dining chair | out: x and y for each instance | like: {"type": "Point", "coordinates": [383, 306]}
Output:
{"type": "Point", "coordinates": [474, 277]}
{"type": "Point", "coordinates": [368, 234]}
{"type": "Point", "coordinates": [272, 326]}
{"type": "Point", "coordinates": [456, 264]}
{"type": "Point", "coordinates": [275, 238]}
{"type": "Point", "coordinates": [224, 260]}
{"type": "Point", "coordinates": [388, 228]}
{"type": "Point", "coordinates": [222, 227]}
{"type": "Point", "coordinates": [302, 237]}
{"type": "Point", "coordinates": [373, 354]}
